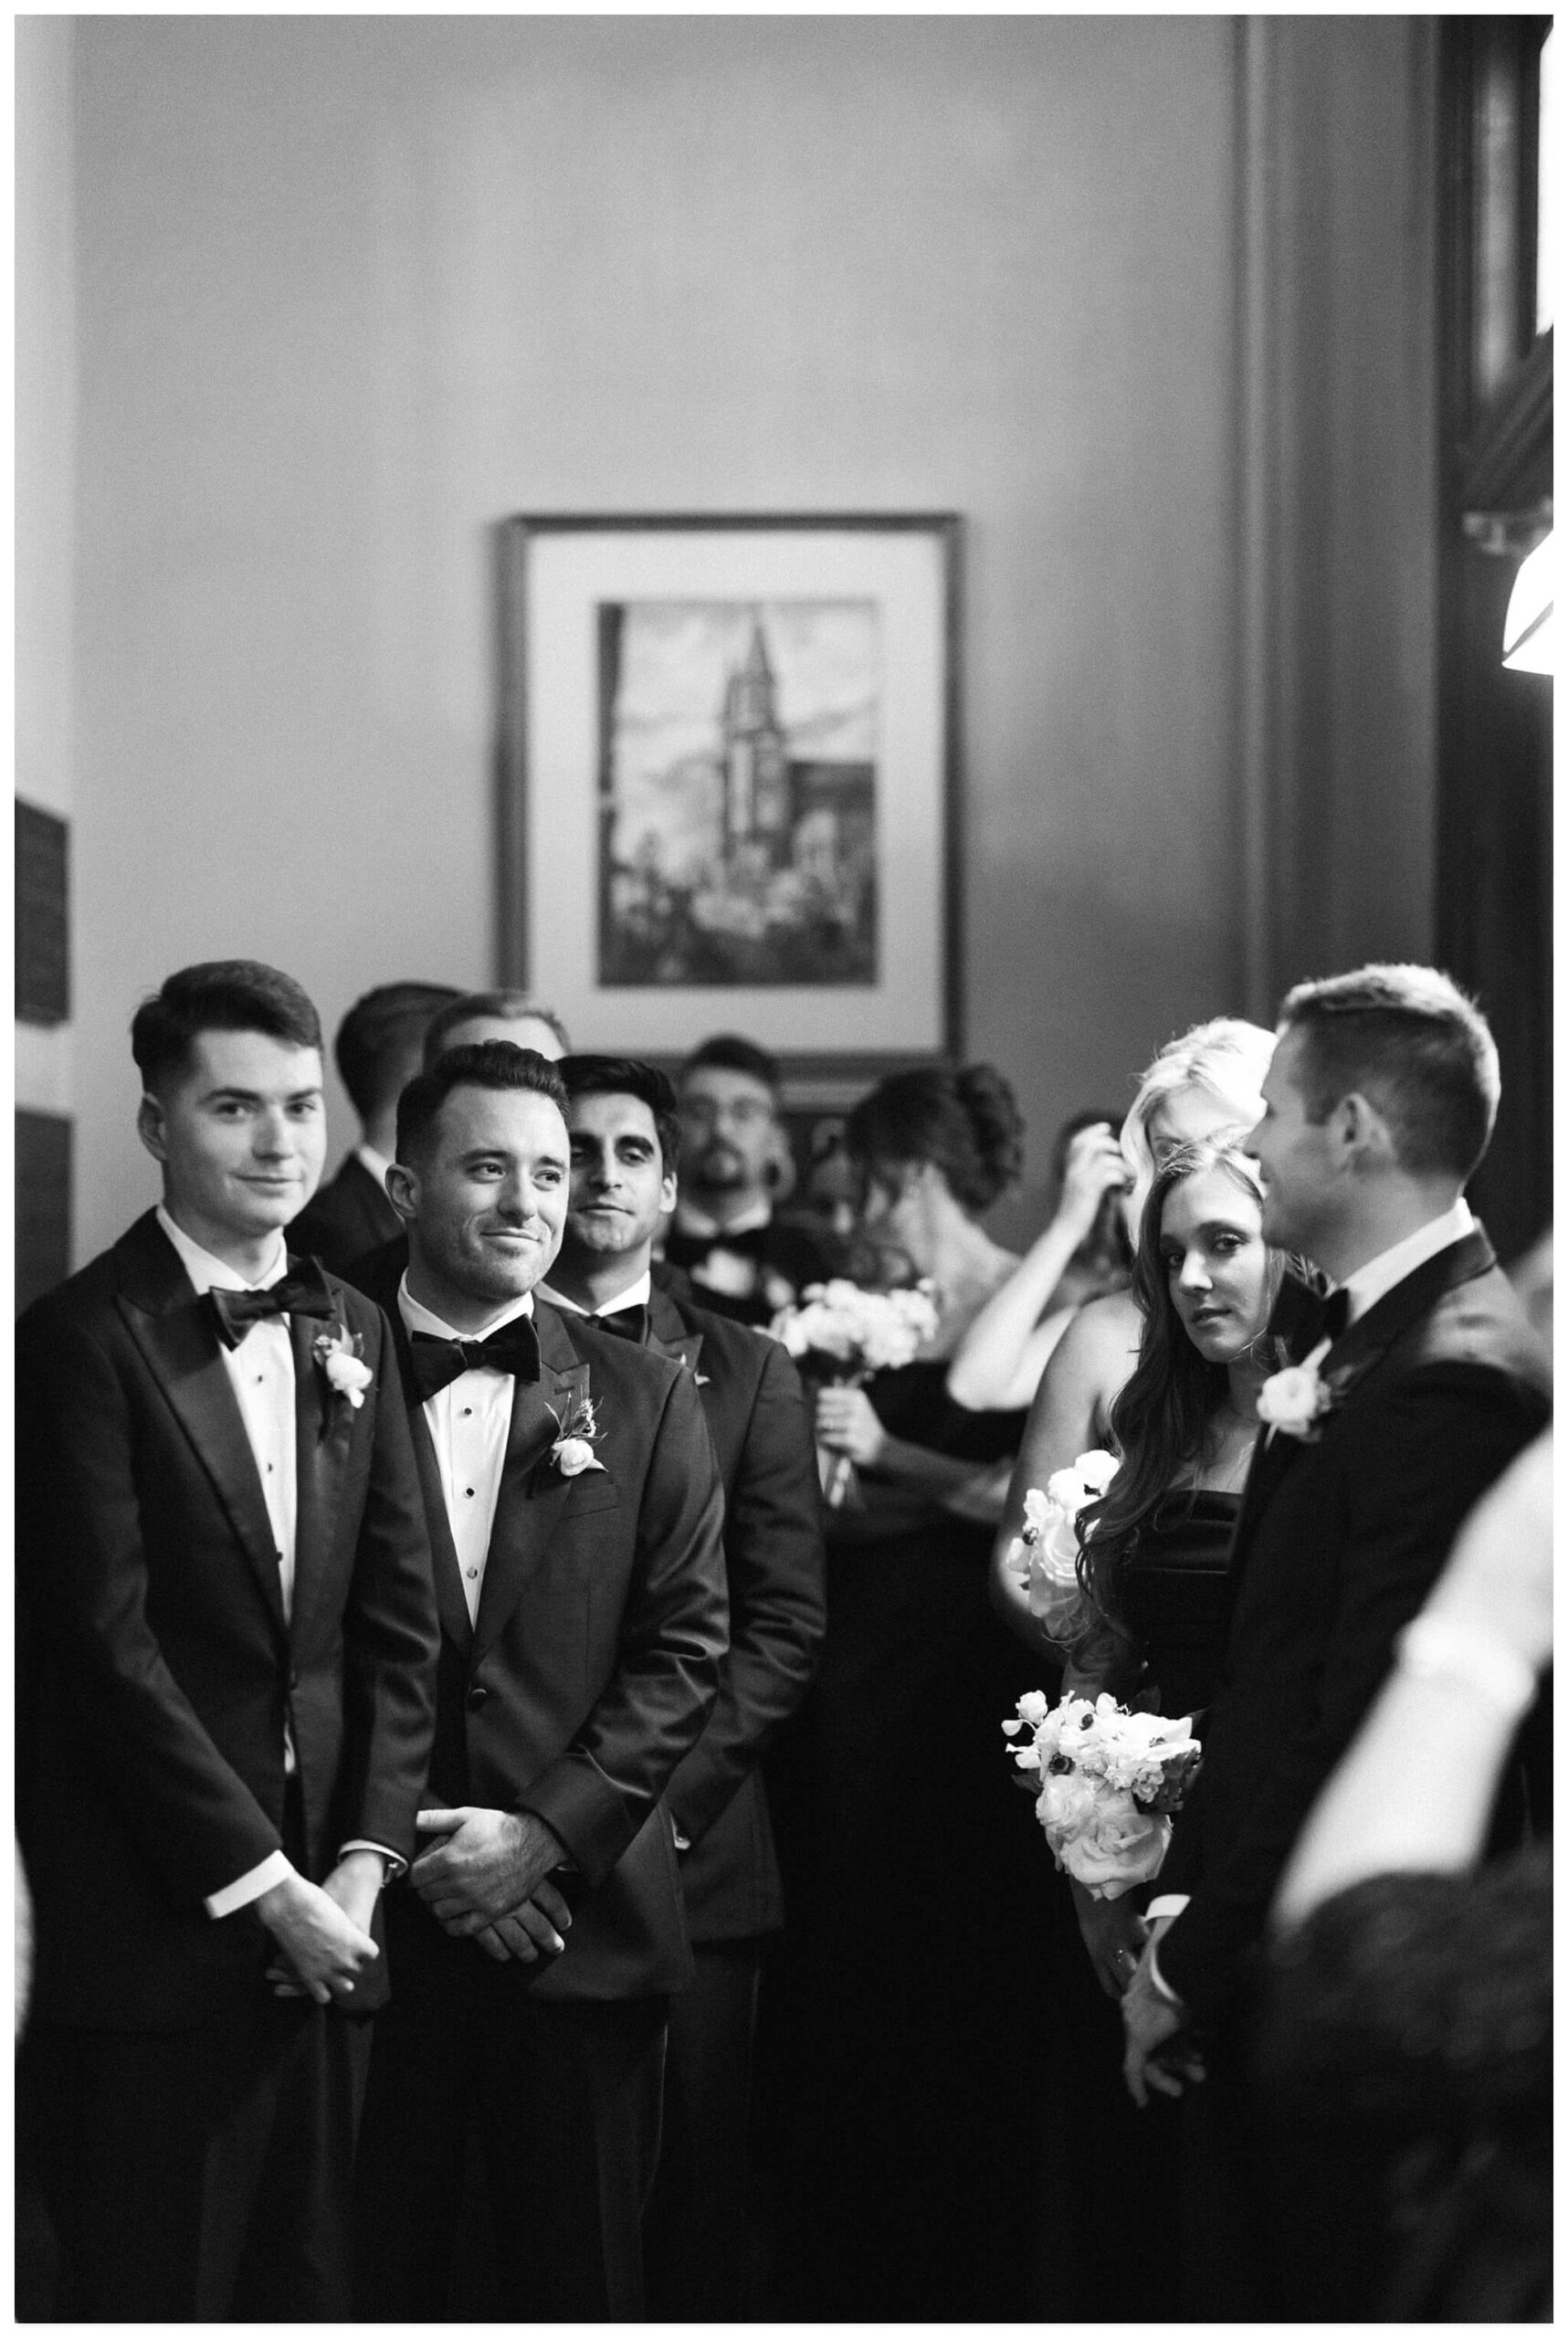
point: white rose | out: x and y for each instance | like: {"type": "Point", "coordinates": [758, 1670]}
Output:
{"type": "Point", "coordinates": [1292, 1400]}
{"type": "Point", "coordinates": [1118, 1846]}
{"type": "Point", "coordinates": [348, 1376]}
{"type": "Point", "coordinates": [573, 1455]}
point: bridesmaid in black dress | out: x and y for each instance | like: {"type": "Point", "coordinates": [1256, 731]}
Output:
{"type": "Point", "coordinates": [916, 1885]}
{"type": "Point", "coordinates": [1153, 1621]}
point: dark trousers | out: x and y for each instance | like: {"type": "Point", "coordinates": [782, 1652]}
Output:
{"type": "Point", "coordinates": [199, 2175]}
{"type": "Point", "coordinates": [699, 2228]}
{"type": "Point", "coordinates": [565, 2099]}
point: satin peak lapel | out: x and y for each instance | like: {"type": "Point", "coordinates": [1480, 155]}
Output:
{"type": "Point", "coordinates": [532, 1493]}
{"type": "Point", "coordinates": [175, 1334]}
{"type": "Point", "coordinates": [668, 1335]}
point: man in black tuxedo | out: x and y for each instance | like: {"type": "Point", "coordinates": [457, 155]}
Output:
{"type": "Point", "coordinates": [746, 1260]}
{"type": "Point", "coordinates": [378, 1051]}
{"type": "Point", "coordinates": [626, 1139]}
{"type": "Point", "coordinates": [228, 1647]}
{"type": "Point", "coordinates": [1417, 1388]}
{"type": "Point", "coordinates": [574, 1515]}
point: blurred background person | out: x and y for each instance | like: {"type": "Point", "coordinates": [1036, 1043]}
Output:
{"type": "Point", "coordinates": [916, 1880]}
{"type": "Point", "coordinates": [1199, 1085]}
{"type": "Point", "coordinates": [378, 1051]}
{"type": "Point", "coordinates": [477, 1014]}
{"type": "Point", "coordinates": [1085, 1252]}
{"type": "Point", "coordinates": [726, 1234]}
{"type": "Point", "coordinates": [1409, 2018]}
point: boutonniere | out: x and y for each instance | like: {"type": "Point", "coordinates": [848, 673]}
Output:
{"type": "Point", "coordinates": [341, 1354]}
{"type": "Point", "coordinates": [572, 1452]}
{"type": "Point", "coordinates": [1295, 1401]}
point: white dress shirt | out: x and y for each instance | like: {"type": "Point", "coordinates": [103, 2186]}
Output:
{"type": "Point", "coordinates": [261, 1373]}
{"type": "Point", "coordinates": [1363, 1290]}
{"type": "Point", "coordinates": [470, 1422]}
{"type": "Point", "coordinates": [636, 1294]}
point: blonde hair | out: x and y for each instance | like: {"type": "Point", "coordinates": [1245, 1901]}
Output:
{"type": "Point", "coordinates": [1227, 1056]}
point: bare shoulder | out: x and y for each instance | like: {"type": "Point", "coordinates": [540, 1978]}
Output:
{"type": "Point", "coordinates": [1102, 1339]}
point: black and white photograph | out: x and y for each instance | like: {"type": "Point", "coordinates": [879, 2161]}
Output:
{"type": "Point", "coordinates": [783, 1147]}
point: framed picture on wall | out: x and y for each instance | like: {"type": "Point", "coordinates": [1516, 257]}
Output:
{"type": "Point", "coordinates": [729, 784]}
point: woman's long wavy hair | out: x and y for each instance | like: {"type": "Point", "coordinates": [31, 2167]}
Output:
{"type": "Point", "coordinates": [1162, 1421]}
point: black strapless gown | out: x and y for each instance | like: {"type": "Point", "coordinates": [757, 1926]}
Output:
{"type": "Point", "coordinates": [1174, 1599]}
{"type": "Point", "coordinates": [910, 1998]}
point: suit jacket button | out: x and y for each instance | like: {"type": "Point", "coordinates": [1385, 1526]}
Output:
{"type": "Point", "coordinates": [476, 1698]}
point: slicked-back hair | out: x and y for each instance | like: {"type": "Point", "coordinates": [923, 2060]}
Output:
{"type": "Point", "coordinates": [510, 1005]}
{"type": "Point", "coordinates": [727, 1051]}
{"type": "Point", "coordinates": [1407, 1039]}
{"type": "Point", "coordinates": [629, 1075]}
{"type": "Point", "coordinates": [490, 1063]}
{"type": "Point", "coordinates": [379, 1040]}
{"type": "Point", "coordinates": [220, 994]}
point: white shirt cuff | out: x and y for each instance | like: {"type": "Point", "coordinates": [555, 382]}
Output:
{"type": "Point", "coordinates": [1169, 1903]}
{"type": "Point", "coordinates": [250, 1886]}
{"type": "Point", "coordinates": [395, 1866]}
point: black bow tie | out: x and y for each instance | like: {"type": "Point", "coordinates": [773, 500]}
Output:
{"type": "Point", "coordinates": [437, 1363]}
{"type": "Point", "coordinates": [627, 1323]}
{"type": "Point", "coordinates": [304, 1293]}
{"type": "Point", "coordinates": [1303, 1317]}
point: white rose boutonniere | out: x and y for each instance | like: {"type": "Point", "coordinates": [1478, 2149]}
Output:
{"type": "Point", "coordinates": [340, 1353]}
{"type": "Point", "coordinates": [1295, 1400]}
{"type": "Point", "coordinates": [572, 1452]}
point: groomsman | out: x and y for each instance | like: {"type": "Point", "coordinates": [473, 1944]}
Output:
{"type": "Point", "coordinates": [378, 1051]}
{"type": "Point", "coordinates": [746, 1261]}
{"type": "Point", "coordinates": [574, 1516]}
{"type": "Point", "coordinates": [511, 1014]}
{"type": "Point", "coordinates": [1417, 1386]}
{"type": "Point", "coordinates": [626, 1139]}
{"type": "Point", "coordinates": [228, 1643]}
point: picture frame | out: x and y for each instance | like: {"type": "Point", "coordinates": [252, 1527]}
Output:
{"type": "Point", "coordinates": [728, 785]}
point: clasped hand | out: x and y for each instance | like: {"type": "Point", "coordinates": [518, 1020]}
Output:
{"type": "Point", "coordinates": [486, 1879]}
{"type": "Point", "coordinates": [846, 1423]}
{"type": "Point", "coordinates": [1159, 2053]}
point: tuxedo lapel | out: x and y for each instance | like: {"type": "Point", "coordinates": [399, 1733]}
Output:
{"type": "Point", "coordinates": [451, 1605]}
{"type": "Point", "coordinates": [668, 1335]}
{"type": "Point", "coordinates": [323, 1426]}
{"type": "Point", "coordinates": [175, 1331]}
{"type": "Point", "coordinates": [531, 1497]}
{"type": "Point", "coordinates": [1365, 1342]}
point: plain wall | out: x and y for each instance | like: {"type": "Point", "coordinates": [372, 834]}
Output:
{"type": "Point", "coordinates": [351, 289]}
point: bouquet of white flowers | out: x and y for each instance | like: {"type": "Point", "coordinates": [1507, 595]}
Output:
{"type": "Point", "coordinates": [1044, 1556]}
{"type": "Point", "coordinates": [840, 1334]}
{"type": "Point", "coordinates": [1110, 1780]}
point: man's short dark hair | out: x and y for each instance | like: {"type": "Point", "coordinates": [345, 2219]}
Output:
{"type": "Point", "coordinates": [727, 1051]}
{"type": "Point", "coordinates": [379, 1038]}
{"type": "Point", "coordinates": [512, 1006]}
{"type": "Point", "coordinates": [220, 994]}
{"type": "Point", "coordinates": [1407, 1039]}
{"type": "Point", "coordinates": [490, 1063]}
{"type": "Point", "coordinates": [628, 1076]}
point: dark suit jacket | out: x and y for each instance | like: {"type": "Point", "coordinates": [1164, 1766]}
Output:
{"type": "Point", "coordinates": [1339, 1541]}
{"type": "Point", "coordinates": [156, 1664]}
{"type": "Point", "coordinates": [762, 1434]}
{"type": "Point", "coordinates": [348, 1216]}
{"type": "Point", "coordinates": [601, 1631]}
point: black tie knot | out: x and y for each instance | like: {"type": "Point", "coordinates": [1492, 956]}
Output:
{"type": "Point", "coordinates": [1305, 1315]}
{"type": "Point", "coordinates": [437, 1361]}
{"type": "Point", "coordinates": [303, 1291]}
{"type": "Point", "coordinates": [627, 1323]}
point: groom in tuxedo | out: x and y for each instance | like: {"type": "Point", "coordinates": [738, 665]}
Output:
{"type": "Point", "coordinates": [226, 1644]}
{"type": "Point", "coordinates": [1418, 1383]}
{"type": "Point", "coordinates": [574, 1516]}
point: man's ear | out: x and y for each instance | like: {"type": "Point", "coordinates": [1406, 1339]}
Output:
{"type": "Point", "coordinates": [150, 1126]}
{"type": "Point", "coordinates": [1366, 1138]}
{"type": "Point", "coordinates": [669, 1190]}
{"type": "Point", "coordinates": [402, 1190]}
